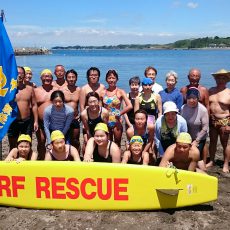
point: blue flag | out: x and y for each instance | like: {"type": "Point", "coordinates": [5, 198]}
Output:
{"type": "Point", "coordinates": [8, 82]}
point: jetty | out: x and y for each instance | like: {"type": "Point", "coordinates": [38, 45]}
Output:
{"type": "Point", "coordinates": [31, 51]}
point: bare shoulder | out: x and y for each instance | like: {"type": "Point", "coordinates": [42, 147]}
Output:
{"type": "Point", "coordinates": [194, 153]}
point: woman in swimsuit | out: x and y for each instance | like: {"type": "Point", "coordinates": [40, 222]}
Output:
{"type": "Point", "coordinates": [100, 149]}
{"type": "Point", "coordinates": [145, 130]}
{"type": "Point", "coordinates": [112, 99]}
{"type": "Point", "coordinates": [149, 101]}
{"type": "Point", "coordinates": [135, 154]}
{"type": "Point", "coordinates": [23, 150]}
{"type": "Point", "coordinates": [59, 151]}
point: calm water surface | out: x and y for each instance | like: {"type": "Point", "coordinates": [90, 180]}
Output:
{"type": "Point", "coordinates": [129, 63]}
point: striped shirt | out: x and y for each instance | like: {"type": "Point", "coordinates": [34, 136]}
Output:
{"type": "Point", "coordinates": [57, 119]}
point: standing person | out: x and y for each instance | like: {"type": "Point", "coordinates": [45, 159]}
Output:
{"type": "Point", "coordinates": [93, 115]}
{"type": "Point", "coordinates": [27, 119]}
{"type": "Point", "coordinates": [112, 98]}
{"type": "Point", "coordinates": [151, 73]}
{"type": "Point", "coordinates": [28, 77]}
{"type": "Point", "coordinates": [219, 99]}
{"type": "Point", "coordinates": [135, 154]}
{"type": "Point", "coordinates": [100, 149]}
{"type": "Point", "coordinates": [60, 83]}
{"type": "Point", "coordinates": [194, 77]}
{"type": "Point", "coordinates": [196, 116]}
{"type": "Point", "coordinates": [93, 85]}
{"type": "Point", "coordinates": [42, 95]}
{"type": "Point", "coordinates": [58, 115]}
{"type": "Point", "coordinates": [171, 93]}
{"type": "Point", "coordinates": [59, 150]}
{"type": "Point", "coordinates": [23, 151]}
{"type": "Point", "coordinates": [145, 131]}
{"type": "Point", "coordinates": [182, 154]}
{"type": "Point", "coordinates": [149, 101]}
{"type": "Point", "coordinates": [168, 127]}
{"type": "Point", "coordinates": [134, 84]}
{"type": "Point", "coordinates": [72, 94]}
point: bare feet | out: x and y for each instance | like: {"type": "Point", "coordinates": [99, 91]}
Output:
{"type": "Point", "coordinates": [210, 164]}
{"type": "Point", "coordinates": [201, 165]}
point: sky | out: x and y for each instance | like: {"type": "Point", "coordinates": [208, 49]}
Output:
{"type": "Point", "coordinates": [47, 23]}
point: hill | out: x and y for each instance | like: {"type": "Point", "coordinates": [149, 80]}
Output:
{"type": "Point", "coordinates": [198, 43]}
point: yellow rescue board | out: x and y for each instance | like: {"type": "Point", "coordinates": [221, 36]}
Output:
{"type": "Point", "coordinates": [101, 186]}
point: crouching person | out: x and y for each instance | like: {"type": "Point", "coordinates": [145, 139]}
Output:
{"type": "Point", "coordinates": [135, 154]}
{"type": "Point", "coordinates": [100, 149]}
{"type": "Point", "coordinates": [58, 150]}
{"type": "Point", "coordinates": [23, 151]}
{"type": "Point", "coordinates": [182, 154]}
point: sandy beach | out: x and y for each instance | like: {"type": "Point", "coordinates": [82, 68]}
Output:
{"type": "Point", "coordinates": [214, 215]}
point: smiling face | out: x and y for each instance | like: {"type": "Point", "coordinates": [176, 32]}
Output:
{"type": "Point", "coordinates": [171, 82]}
{"type": "Point", "coordinates": [111, 80]}
{"type": "Point", "coordinates": [171, 118]}
{"type": "Point", "coordinates": [24, 148]}
{"type": "Point", "coordinates": [28, 76]}
{"type": "Point", "coordinates": [100, 137]}
{"type": "Point", "coordinates": [21, 74]}
{"type": "Point", "coordinates": [136, 148]}
{"type": "Point", "coordinates": [93, 103]}
{"type": "Point", "coordinates": [46, 79]}
{"type": "Point", "coordinates": [192, 101]}
{"type": "Point", "coordinates": [134, 87]}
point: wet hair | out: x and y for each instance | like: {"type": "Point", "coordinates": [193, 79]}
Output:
{"type": "Point", "coordinates": [148, 68]}
{"type": "Point", "coordinates": [21, 67]}
{"type": "Point", "coordinates": [57, 93]}
{"type": "Point", "coordinates": [172, 73]}
{"type": "Point", "coordinates": [71, 71]}
{"type": "Point", "coordinates": [110, 72]}
{"type": "Point", "coordinates": [92, 94]}
{"type": "Point", "coordinates": [134, 79]}
{"type": "Point", "coordinates": [93, 69]}
{"type": "Point", "coordinates": [141, 111]}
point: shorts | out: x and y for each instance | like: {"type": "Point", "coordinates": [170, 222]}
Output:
{"type": "Point", "coordinates": [18, 127]}
{"type": "Point", "coordinates": [219, 122]}
{"type": "Point", "coordinates": [201, 147]}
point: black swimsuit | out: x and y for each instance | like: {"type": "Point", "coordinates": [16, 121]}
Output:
{"type": "Point", "coordinates": [68, 158]}
{"type": "Point", "coordinates": [98, 158]}
{"type": "Point", "coordinates": [93, 122]}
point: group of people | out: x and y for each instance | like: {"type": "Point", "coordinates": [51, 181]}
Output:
{"type": "Point", "coordinates": [164, 127]}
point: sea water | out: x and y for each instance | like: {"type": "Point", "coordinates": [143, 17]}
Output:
{"type": "Point", "coordinates": [129, 63]}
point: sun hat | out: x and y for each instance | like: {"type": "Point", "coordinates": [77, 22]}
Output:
{"type": "Point", "coordinates": [24, 137]}
{"type": "Point", "coordinates": [222, 72]}
{"type": "Point", "coordinates": [147, 81]}
{"type": "Point", "coordinates": [46, 71]}
{"type": "Point", "coordinates": [184, 138]}
{"type": "Point", "coordinates": [136, 139]}
{"type": "Point", "coordinates": [56, 134]}
{"type": "Point", "coordinates": [102, 126]}
{"type": "Point", "coordinates": [169, 106]}
{"type": "Point", "coordinates": [27, 69]}
{"type": "Point", "coordinates": [193, 91]}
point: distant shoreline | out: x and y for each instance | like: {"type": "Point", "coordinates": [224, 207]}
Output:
{"type": "Point", "coordinates": [31, 51]}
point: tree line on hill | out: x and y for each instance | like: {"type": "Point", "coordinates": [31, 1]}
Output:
{"type": "Point", "coordinates": [198, 43]}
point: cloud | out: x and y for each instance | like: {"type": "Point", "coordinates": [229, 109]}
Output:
{"type": "Point", "coordinates": [192, 5]}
